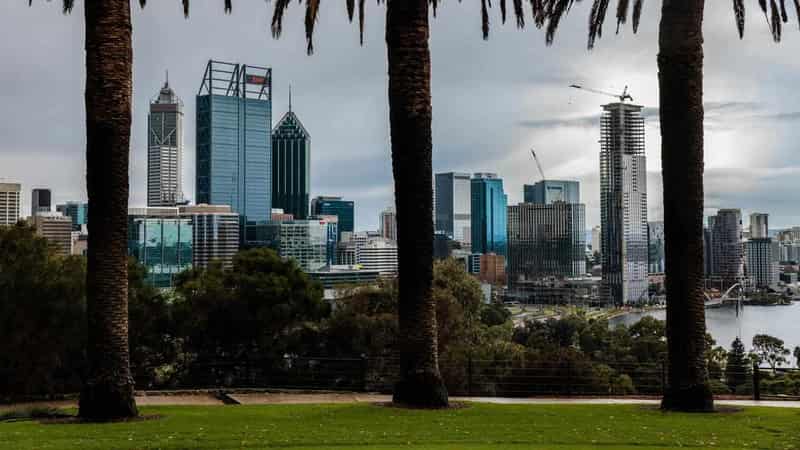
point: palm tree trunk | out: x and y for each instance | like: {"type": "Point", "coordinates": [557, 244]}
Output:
{"type": "Point", "coordinates": [409, 57]}
{"type": "Point", "coordinates": [680, 65]}
{"type": "Point", "coordinates": [108, 391]}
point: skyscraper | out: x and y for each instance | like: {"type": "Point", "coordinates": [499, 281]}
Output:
{"type": "Point", "coordinates": [41, 201]}
{"type": "Point", "coordinates": [388, 223]}
{"type": "Point", "coordinates": [165, 148]}
{"type": "Point", "coordinates": [546, 241]}
{"type": "Point", "coordinates": [726, 246]}
{"type": "Point", "coordinates": [291, 165]}
{"type": "Point", "coordinates": [759, 226]}
{"type": "Point", "coordinates": [453, 205]}
{"type": "Point", "coordinates": [56, 228]}
{"type": "Point", "coordinates": [215, 234]}
{"type": "Point", "coordinates": [305, 241]}
{"type": "Point", "coordinates": [489, 214]}
{"type": "Point", "coordinates": [161, 240]}
{"type": "Point", "coordinates": [548, 191]}
{"type": "Point", "coordinates": [655, 247]}
{"type": "Point", "coordinates": [234, 148]}
{"type": "Point", "coordinates": [762, 262]}
{"type": "Point", "coordinates": [9, 203]}
{"type": "Point", "coordinates": [623, 204]}
{"type": "Point", "coordinates": [77, 211]}
{"type": "Point", "coordinates": [335, 206]}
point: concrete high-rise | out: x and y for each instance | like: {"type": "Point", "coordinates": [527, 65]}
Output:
{"type": "Point", "coordinates": [56, 228]}
{"type": "Point", "coordinates": [453, 205]}
{"type": "Point", "coordinates": [387, 223]}
{"type": "Point", "coordinates": [489, 214]}
{"type": "Point", "coordinates": [336, 206]}
{"type": "Point", "coordinates": [623, 204]}
{"type": "Point", "coordinates": [549, 191]}
{"type": "Point", "coordinates": [234, 147]}
{"type": "Point", "coordinates": [215, 234]}
{"type": "Point", "coordinates": [759, 226]}
{"type": "Point", "coordinates": [378, 254]}
{"type": "Point", "coordinates": [41, 201]}
{"type": "Point", "coordinates": [165, 149]}
{"type": "Point", "coordinates": [305, 241]}
{"type": "Point", "coordinates": [727, 257]}
{"type": "Point", "coordinates": [9, 203]}
{"type": "Point", "coordinates": [763, 262]}
{"type": "Point", "coordinates": [291, 165]}
{"type": "Point", "coordinates": [546, 241]}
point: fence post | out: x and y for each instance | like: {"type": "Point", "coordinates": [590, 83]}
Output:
{"type": "Point", "coordinates": [756, 382]}
{"type": "Point", "coordinates": [469, 375]}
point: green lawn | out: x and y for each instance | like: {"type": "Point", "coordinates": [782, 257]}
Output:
{"type": "Point", "coordinates": [478, 426]}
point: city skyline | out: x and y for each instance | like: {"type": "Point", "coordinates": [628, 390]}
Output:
{"type": "Point", "coordinates": [534, 107]}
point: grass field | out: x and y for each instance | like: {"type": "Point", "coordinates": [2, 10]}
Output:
{"type": "Point", "coordinates": [476, 426]}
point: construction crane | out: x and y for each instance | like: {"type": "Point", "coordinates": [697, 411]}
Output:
{"type": "Point", "coordinates": [539, 165]}
{"type": "Point", "coordinates": [622, 97]}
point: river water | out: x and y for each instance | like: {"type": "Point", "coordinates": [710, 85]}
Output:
{"type": "Point", "coordinates": [782, 322]}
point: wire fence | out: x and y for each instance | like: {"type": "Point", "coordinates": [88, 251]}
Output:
{"type": "Point", "coordinates": [468, 377]}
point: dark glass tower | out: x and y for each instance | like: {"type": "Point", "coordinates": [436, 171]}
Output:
{"type": "Point", "coordinates": [335, 206]}
{"type": "Point", "coordinates": [291, 165]}
{"type": "Point", "coordinates": [489, 215]}
{"type": "Point", "coordinates": [234, 148]}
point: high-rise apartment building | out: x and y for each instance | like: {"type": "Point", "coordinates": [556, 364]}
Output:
{"type": "Point", "coordinates": [726, 246]}
{"type": "Point", "coordinates": [759, 226]}
{"type": "Point", "coordinates": [596, 239]}
{"type": "Point", "coordinates": [655, 247]}
{"type": "Point", "coordinates": [165, 149]}
{"type": "Point", "coordinates": [9, 203]}
{"type": "Point", "coordinates": [336, 206]}
{"type": "Point", "coordinates": [489, 214]}
{"type": "Point", "coordinates": [41, 201]}
{"type": "Point", "coordinates": [762, 262]}
{"type": "Point", "coordinates": [56, 228]}
{"type": "Point", "coordinates": [305, 241]}
{"type": "Point", "coordinates": [546, 241]}
{"type": "Point", "coordinates": [161, 240]}
{"type": "Point", "coordinates": [387, 223]}
{"type": "Point", "coordinates": [77, 211]}
{"type": "Point", "coordinates": [623, 204]}
{"type": "Point", "coordinates": [453, 205]}
{"type": "Point", "coordinates": [291, 165]}
{"type": "Point", "coordinates": [549, 191]}
{"type": "Point", "coordinates": [234, 147]}
{"type": "Point", "coordinates": [378, 254]}
{"type": "Point", "coordinates": [215, 234]}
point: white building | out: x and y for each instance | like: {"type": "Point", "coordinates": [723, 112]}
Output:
{"type": "Point", "coordinates": [165, 149]}
{"type": "Point", "coordinates": [759, 226]}
{"type": "Point", "coordinates": [305, 241]}
{"type": "Point", "coordinates": [623, 204]}
{"type": "Point", "coordinates": [215, 234]}
{"type": "Point", "coordinates": [9, 203]}
{"type": "Point", "coordinates": [378, 254]}
{"type": "Point", "coordinates": [56, 228]}
{"type": "Point", "coordinates": [453, 200]}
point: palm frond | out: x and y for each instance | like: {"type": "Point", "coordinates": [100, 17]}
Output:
{"type": "Point", "coordinates": [351, 7]}
{"type": "Point", "coordinates": [519, 13]}
{"type": "Point", "coordinates": [738, 12]}
{"type": "Point", "coordinates": [484, 20]}
{"type": "Point", "coordinates": [228, 6]}
{"type": "Point", "coordinates": [637, 14]}
{"type": "Point", "coordinates": [142, 3]}
{"type": "Point", "coordinates": [312, 10]}
{"type": "Point", "coordinates": [503, 11]}
{"type": "Point", "coordinates": [185, 8]}
{"type": "Point", "coordinates": [361, 17]}
{"type": "Point", "coordinates": [775, 21]}
{"type": "Point", "coordinates": [277, 17]}
{"type": "Point", "coordinates": [797, 10]}
{"type": "Point", "coordinates": [597, 16]}
{"type": "Point", "coordinates": [622, 13]}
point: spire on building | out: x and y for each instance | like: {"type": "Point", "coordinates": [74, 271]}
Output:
{"type": "Point", "coordinates": [290, 97]}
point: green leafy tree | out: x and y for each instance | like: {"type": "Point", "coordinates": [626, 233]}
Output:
{"type": "Point", "coordinates": [770, 350]}
{"type": "Point", "coordinates": [737, 366]}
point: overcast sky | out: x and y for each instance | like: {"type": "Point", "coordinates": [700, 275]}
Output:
{"type": "Point", "coordinates": [492, 100]}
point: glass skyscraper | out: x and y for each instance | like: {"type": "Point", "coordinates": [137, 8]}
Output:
{"type": "Point", "coordinates": [234, 148]}
{"type": "Point", "coordinates": [77, 211]}
{"type": "Point", "coordinates": [335, 206]}
{"type": "Point", "coordinates": [161, 240]}
{"type": "Point", "coordinates": [489, 215]}
{"type": "Point", "coordinates": [546, 192]}
{"type": "Point", "coordinates": [291, 165]}
{"type": "Point", "coordinates": [453, 205]}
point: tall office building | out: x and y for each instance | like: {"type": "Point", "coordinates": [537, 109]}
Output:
{"type": "Point", "coordinates": [623, 204]}
{"type": "Point", "coordinates": [655, 247]}
{"type": "Point", "coordinates": [546, 241]}
{"type": "Point", "coordinates": [56, 228]}
{"type": "Point", "coordinates": [77, 211]}
{"type": "Point", "coordinates": [549, 191]}
{"type": "Point", "coordinates": [335, 206]}
{"type": "Point", "coordinates": [759, 226]}
{"type": "Point", "coordinates": [9, 203]}
{"type": "Point", "coordinates": [234, 148]}
{"type": "Point", "coordinates": [453, 205]}
{"type": "Point", "coordinates": [305, 241]}
{"type": "Point", "coordinates": [489, 214]}
{"type": "Point", "coordinates": [726, 246]}
{"type": "Point", "coordinates": [215, 234]}
{"type": "Point", "coordinates": [378, 254]}
{"type": "Point", "coordinates": [41, 201]}
{"type": "Point", "coordinates": [165, 149]}
{"type": "Point", "coordinates": [762, 262]}
{"type": "Point", "coordinates": [161, 240]}
{"type": "Point", "coordinates": [387, 222]}
{"type": "Point", "coordinates": [291, 165]}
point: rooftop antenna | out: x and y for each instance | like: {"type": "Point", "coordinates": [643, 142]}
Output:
{"type": "Point", "coordinates": [166, 83]}
{"type": "Point", "coordinates": [290, 97]}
